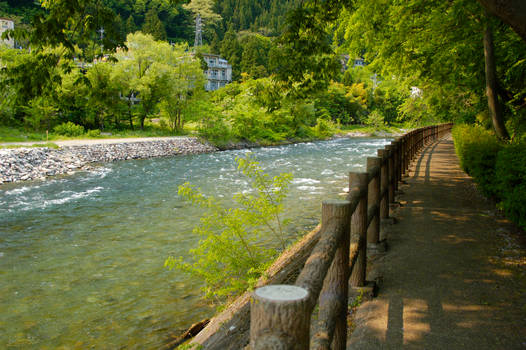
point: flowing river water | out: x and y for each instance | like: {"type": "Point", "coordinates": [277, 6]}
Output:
{"type": "Point", "coordinates": [81, 257]}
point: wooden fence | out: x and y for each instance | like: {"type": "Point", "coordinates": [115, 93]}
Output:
{"type": "Point", "coordinates": [280, 315]}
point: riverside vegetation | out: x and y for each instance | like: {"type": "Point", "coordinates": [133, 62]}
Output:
{"type": "Point", "coordinates": [66, 87]}
{"type": "Point", "coordinates": [233, 252]}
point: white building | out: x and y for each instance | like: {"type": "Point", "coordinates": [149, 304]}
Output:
{"type": "Point", "coordinates": [359, 62]}
{"type": "Point", "coordinates": [219, 72]}
{"type": "Point", "coordinates": [6, 24]}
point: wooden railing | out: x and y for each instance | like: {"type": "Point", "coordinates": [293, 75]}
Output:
{"type": "Point", "coordinates": [280, 315]}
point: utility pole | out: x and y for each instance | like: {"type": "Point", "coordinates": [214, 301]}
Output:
{"type": "Point", "coordinates": [101, 31]}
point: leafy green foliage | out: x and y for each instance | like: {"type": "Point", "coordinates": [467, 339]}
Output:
{"type": "Point", "coordinates": [153, 25]}
{"type": "Point", "coordinates": [511, 181]}
{"type": "Point", "coordinates": [203, 8]}
{"type": "Point", "coordinates": [324, 128]}
{"type": "Point", "coordinates": [71, 23]}
{"type": "Point", "coordinates": [477, 150]}
{"type": "Point", "coordinates": [69, 129]}
{"type": "Point", "coordinates": [375, 119]}
{"type": "Point", "coordinates": [438, 47]}
{"type": "Point", "coordinates": [499, 169]}
{"type": "Point", "coordinates": [40, 113]}
{"type": "Point", "coordinates": [93, 133]}
{"type": "Point", "coordinates": [231, 255]}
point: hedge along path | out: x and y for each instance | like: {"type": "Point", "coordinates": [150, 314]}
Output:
{"type": "Point", "coordinates": [455, 274]}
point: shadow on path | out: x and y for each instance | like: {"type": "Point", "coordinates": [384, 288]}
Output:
{"type": "Point", "coordinates": [452, 278]}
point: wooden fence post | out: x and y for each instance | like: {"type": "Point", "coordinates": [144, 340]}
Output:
{"type": "Point", "coordinates": [405, 154]}
{"type": "Point", "coordinates": [401, 158]}
{"type": "Point", "coordinates": [415, 143]}
{"type": "Point", "coordinates": [279, 318]}
{"type": "Point", "coordinates": [359, 229]}
{"type": "Point", "coordinates": [391, 174]}
{"type": "Point", "coordinates": [334, 295]}
{"type": "Point", "coordinates": [397, 144]}
{"type": "Point", "coordinates": [374, 165]}
{"type": "Point", "coordinates": [410, 152]}
{"type": "Point", "coordinates": [384, 183]}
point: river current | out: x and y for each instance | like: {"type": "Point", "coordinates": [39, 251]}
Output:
{"type": "Point", "coordinates": [81, 257]}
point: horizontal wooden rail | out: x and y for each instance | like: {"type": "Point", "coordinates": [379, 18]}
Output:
{"type": "Point", "coordinates": [280, 316]}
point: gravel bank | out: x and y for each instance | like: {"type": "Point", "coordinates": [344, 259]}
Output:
{"type": "Point", "coordinates": [22, 164]}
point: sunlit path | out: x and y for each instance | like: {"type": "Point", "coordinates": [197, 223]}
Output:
{"type": "Point", "coordinates": [451, 278]}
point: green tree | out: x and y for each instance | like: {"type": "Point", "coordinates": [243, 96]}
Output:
{"type": "Point", "coordinates": [40, 113]}
{"type": "Point", "coordinates": [232, 51]}
{"type": "Point", "coordinates": [69, 23]}
{"type": "Point", "coordinates": [185, 88]}
{"type": "Point", "coordinates": [231, 256]}
{"type": "Point", "coordinates": [254, 58]}
{"type": "Point", "coordinates": [156, 72]}
{"type": "Point", "coordinates": [27, 76]}
{"type": "Point", "coordinates": [205, 9]}
{"type": "Point", "coordinates": [131, 27]}
{"type": "Point", "coordinates": [435, 45]}
{"type": "Point", "coordinates": [103, 96]}
{"type": "Point", "coordinates": [153, 25]}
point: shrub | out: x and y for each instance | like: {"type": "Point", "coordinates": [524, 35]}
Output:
{"type": "Point", "coordinates": [477, 150]}
{"type": "Point", "coordinates": [93, 133]}
{"type": "Point", "coordinates": [375, 119]}
{"type": "Point", "coordinates": [215, 130]}
{"type": "Point", "coordinates": [232, 255]}
{"type": "Point", "coordinates": [511, 182]}
{"type": "Point", "coordinates": [69, 129]}
{"type": "Point", "coordinates": [324, 128]}
{"type": "Point", "coordinates": [499, 169]}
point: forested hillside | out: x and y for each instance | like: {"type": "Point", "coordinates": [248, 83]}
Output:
{"type": "Point", "coordinates": [239, 30]}
{"type": "Point", "coordinates": [170, 20]}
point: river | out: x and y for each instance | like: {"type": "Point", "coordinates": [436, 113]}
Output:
{"type": "Point", "coordinates": [81, 257]}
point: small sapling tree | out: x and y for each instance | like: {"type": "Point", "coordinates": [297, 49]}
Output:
{"type": "Point", "coordinates": [233, 252]}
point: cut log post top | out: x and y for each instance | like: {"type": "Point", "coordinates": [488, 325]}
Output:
{"type": "Point", "coordinates": [280, 318]}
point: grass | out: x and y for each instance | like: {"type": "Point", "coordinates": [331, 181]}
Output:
{"type": "Point", "coordinates": [11, 134]}
{"type": "Point", "coordinates": [46, 144]}
{"type": "Point", "coordinates": [366, 129]}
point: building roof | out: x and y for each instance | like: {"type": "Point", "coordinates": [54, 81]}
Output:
{"type": "Point", "coordinates": [211, 55]}
{"type": "Point", "coordinates": [6, 19]}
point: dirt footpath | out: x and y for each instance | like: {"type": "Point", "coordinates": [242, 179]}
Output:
{"type": "Point", "coordinates": [454, 276]}
{"type": "Point", "coordinates": [87, 142]}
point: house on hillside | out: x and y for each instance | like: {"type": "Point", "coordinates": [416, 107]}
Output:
{"type": "Point", "coordinates": [6, 24]}
{"type": "Point", "coordinates": [359, 62]}
{"type": "Point", "coordinates": [219, 72]}
{"type": "Point", "coordinates": [345, 62]}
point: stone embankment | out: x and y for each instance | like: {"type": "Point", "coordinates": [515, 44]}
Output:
{"type": "Point", "coordinates": [21, 164]}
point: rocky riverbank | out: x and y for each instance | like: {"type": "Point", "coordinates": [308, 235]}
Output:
{"type": "Point", "coordinates": [22, 164]}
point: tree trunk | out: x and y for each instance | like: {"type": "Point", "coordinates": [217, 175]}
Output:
{"type": "Point", "coordinates": [142, 121]}
{"type": "Point", "coordinates": [116, 121]}
{"type": "Point", "coordinates": [131, 120]}
{"type": "Point", "coordinates": [512, 12]}
{"type": "Point", "coordinates": [495, 107]}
